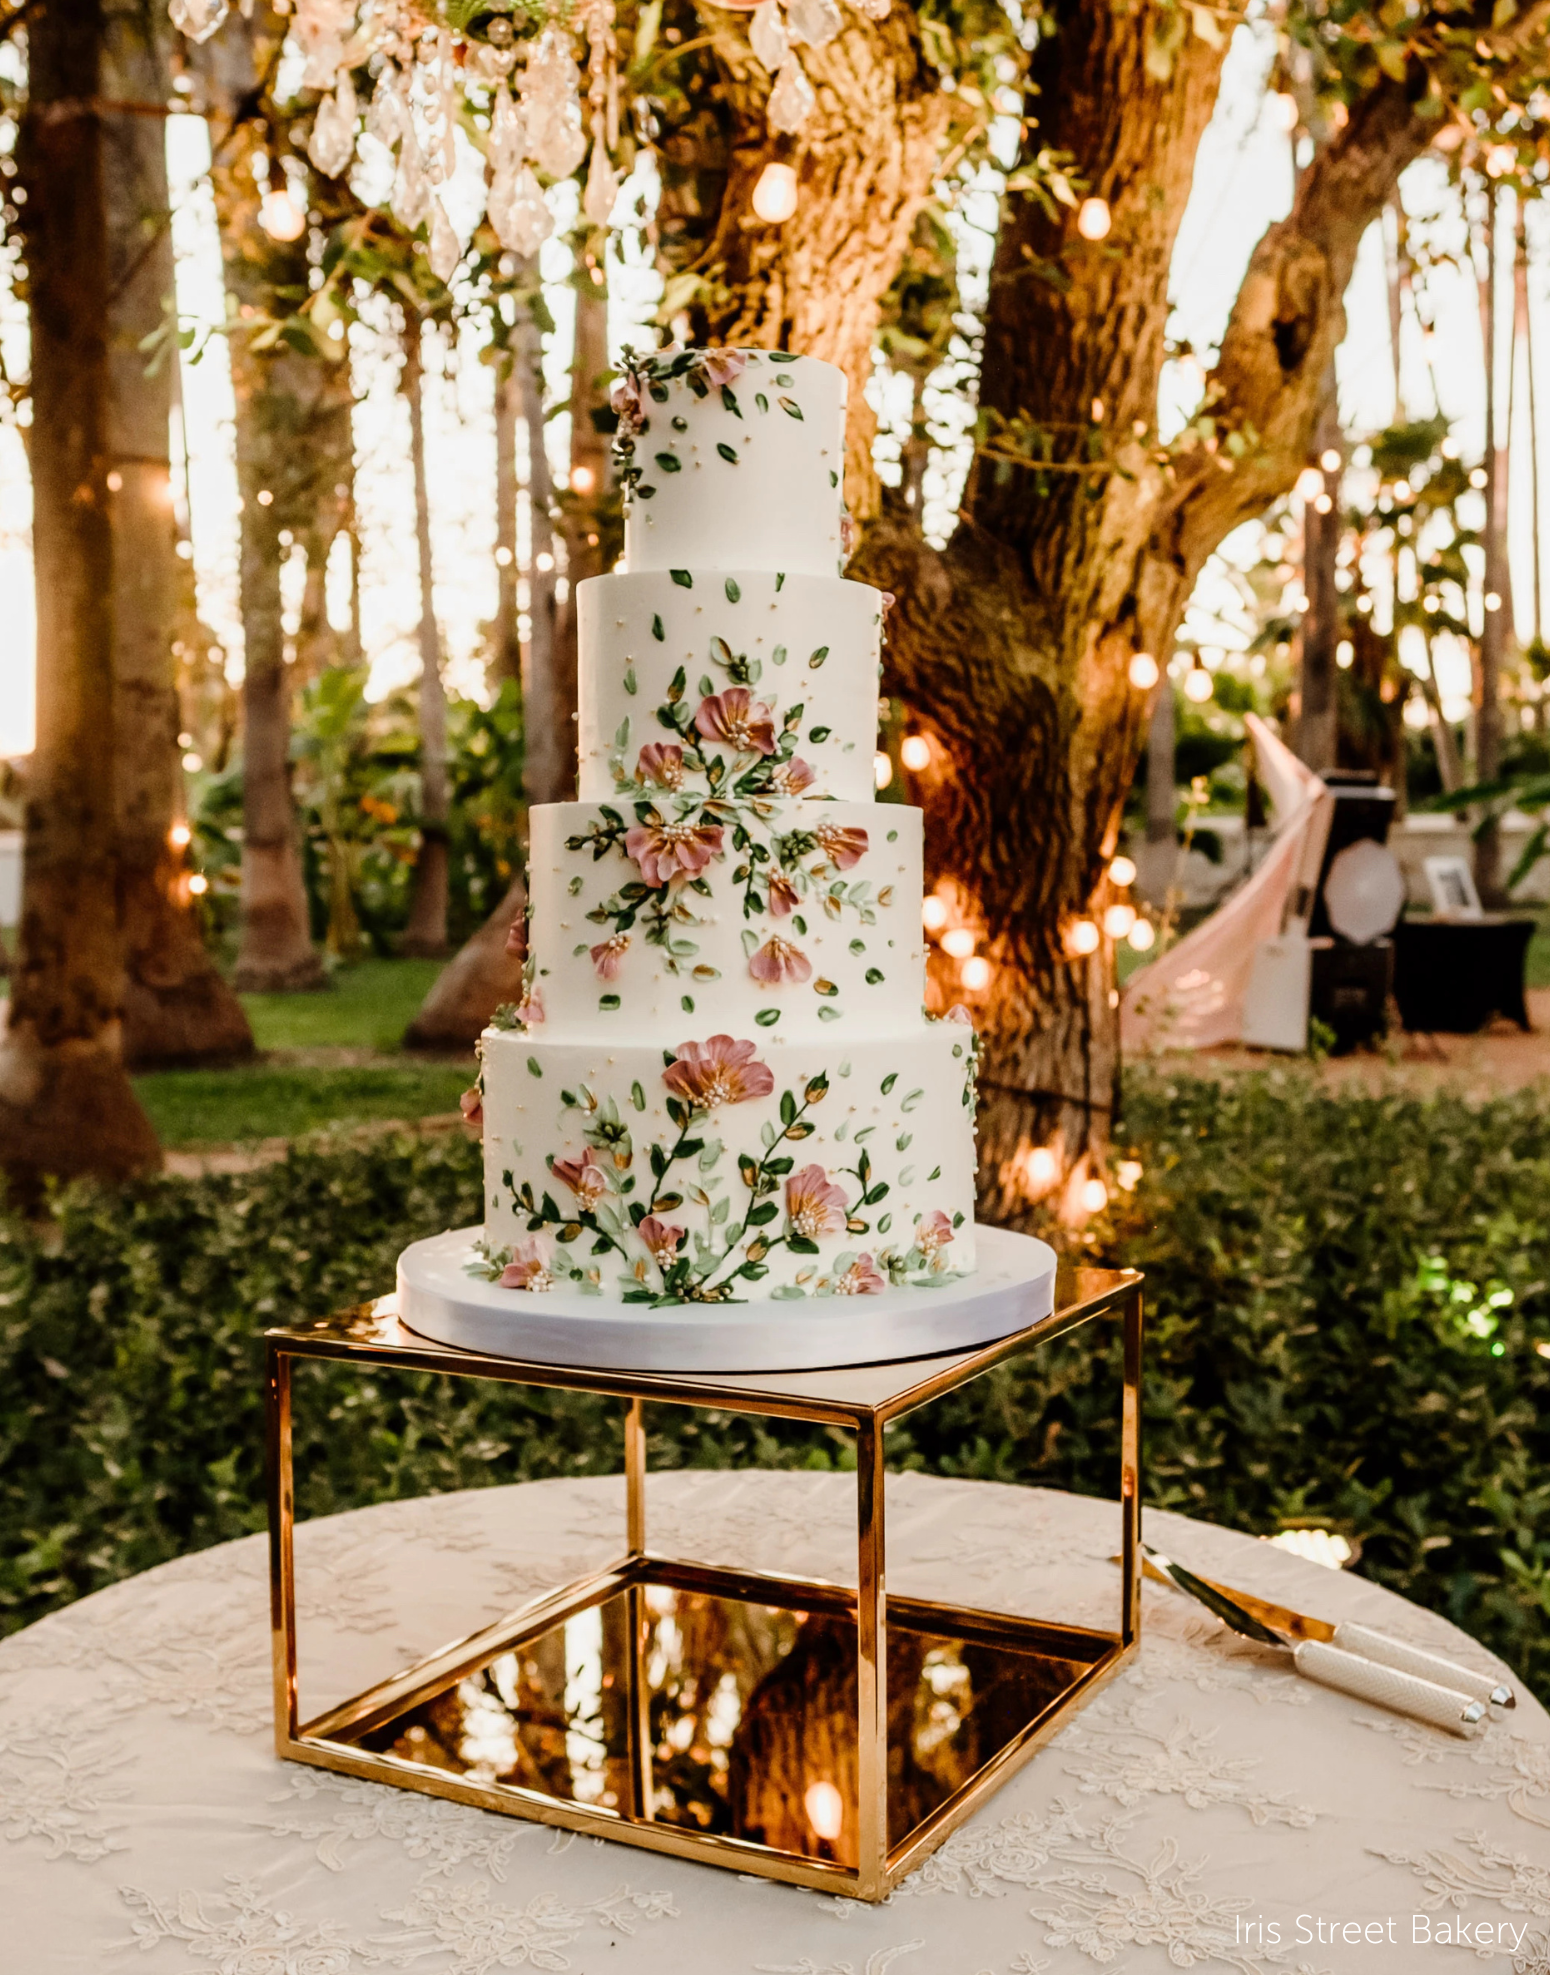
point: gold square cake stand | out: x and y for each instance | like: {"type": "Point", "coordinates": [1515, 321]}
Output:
{"type": "Point", "coordinates": [802, 1730]}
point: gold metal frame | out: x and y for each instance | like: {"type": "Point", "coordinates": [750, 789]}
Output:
{"type": "Point", "coordinates": [864, 1399]}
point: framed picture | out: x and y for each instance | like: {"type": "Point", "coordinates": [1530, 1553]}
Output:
{"type": "Point", "coordinates": [1453, 888]}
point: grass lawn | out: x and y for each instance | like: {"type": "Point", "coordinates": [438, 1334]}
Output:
{"type": "Point", "coordinates": [367, 1008]}
{"type": "Point", "coordinates": [223, 1107]}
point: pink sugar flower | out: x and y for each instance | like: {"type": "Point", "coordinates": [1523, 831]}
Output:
{"type": "Point", "coordinates": [846, 845]}
{"type": "Point", "coordinates": [792, 777]}
{"type": "Point", "coordinates": [528, 1267]}
{"type": "Point", "coordinates": [720, 1071]}
{"type": "Point", "coordinates": [471, 1104]}
{"type": "Point", "coordinates": [784, 896]}
{"type": "Point", "coordinates": [723, 366]}
{"type": "Point", "coordinates": [958, 1013]}
{"type": "Point", "coordinates": [778, 960]}
{"type": "Point", "coordinates": [739, 719]}
{"type": "Point", "coordinates": [814, 1206]}
{"type": "Point", "coordinates": [665, 851]}
{"type": "Point", "coordinates": [661, 762]}
{"type": "Point", "coordinates": [662, 1239]}
{"type": "Point", "coordinates": [850, 534]}
{"type": "Point", "coordinates": [860, 1279]}
{"type": "Point", "coordinates": [933, 1231]}
{"type": "Point", "coordinates": [530, 1010]}
{"type": "Point", "coordinates": [586, 1177]}
{"type": "Point", "coordinates": [625, 399]}
{"type": "Point", "coordinates": [608, 957]}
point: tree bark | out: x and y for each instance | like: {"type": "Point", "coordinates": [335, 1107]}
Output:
{"type": "Point", "coordinates": [1498, 584]}
{"type": "Point", "coordinates": [1161, 854]}
{"type": "Point", "coordinates": [66, 1103]}
{"type": "Point", "coordinates": [288, 409]}
{"type": "Point", "coordinates": [426, 932]}
{"type": "Point", "coordinates": [506, 640]}
{"type": "Point", "coordinates": [543, 760]}
{"type": "Point", "coordinates": [1318, 718]}
{"type": "Point", "coordinates": [484, 973]}
{"type": "Point", "coordinates": [177, 1007]}
{"type": "Point", "coordinates": [1523, 334]}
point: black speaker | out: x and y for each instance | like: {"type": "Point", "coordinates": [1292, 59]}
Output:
{"type": "Point", "coordinates": [1350, 988]}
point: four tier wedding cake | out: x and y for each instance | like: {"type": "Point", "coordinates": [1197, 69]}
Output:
{"type": "Point", "coordinates": [722, 1084]}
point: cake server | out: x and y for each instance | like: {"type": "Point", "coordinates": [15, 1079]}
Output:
{"type": "Point", "coordinates": [1316, 1657]}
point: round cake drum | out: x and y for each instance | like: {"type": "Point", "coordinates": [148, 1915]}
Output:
{"type": "Point", "coordinates": [1012, 1286]}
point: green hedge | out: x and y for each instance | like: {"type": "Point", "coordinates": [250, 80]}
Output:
{"type": "Point", "coordinates": [1323, 1346]}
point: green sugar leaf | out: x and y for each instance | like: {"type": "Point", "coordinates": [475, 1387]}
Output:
{"type": "Point", "coordinates": [858, 947]}
{"type": "Point", "coordinates": [819, 734]}
{"type": "Point", "coordinates": [682, 578]}
{"type": "Point", "coordinates": [637, 1097]}
{"type": "Point", "coordinates": [790, 407]}
{"type": "Point", "coordinates": [818, 658]}
{"type": "Point", "coordinates": [789, 382]}
{"type": "Point", "coordinates": [670, 463]}
{"type": "Point", "coordinates": [643, 492]}
{"type": "Point", "coordinates": [657, 632]}
{"type": "Point", "coordinates": [767, 1017]}
{"type": "Point", "coordinates": [873, 976]}
{"type": "Point", "coordinates": [761, 401]}
{"type": "Point", "coordinates": [778, 656]}
{"type": "Point", "coordinates": [834, 478]}
{"type": "Point", "coordinates": [727, 452]}
{"type": "Point", "coordinates": [532, 1067]}
{"type": "Point", "coordinates": [828, 1013]}
{"type": "Point", "coordinates": [734, 594]}
{"type": "Point", "coordinates": [687, 1004]}
{"type": "Point", "coordinates": [780, 581]}
{"type": "Point", "coordinates": [934, 1174]}
{"type": "Point", "coordinates": [909, 1103]}
{"type": "Point", "coordinates": [608, 1001]}
{"type": "Point", "coordinates": [729, 399]}
{"type": "Point", "coordinates": [630, 685]}
{"type": "Point", "coordinates": [889, 1081]}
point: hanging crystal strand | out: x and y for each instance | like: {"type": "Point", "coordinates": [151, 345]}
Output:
{"type": "Point", "coordinates": [551, 100]}
{"type": "Point", "coordinates": [321, 26]}
{"type": "Point", "coordinates": [388, 117]}
{"type": "Point", "coordinates": [813, 21]}
{"type": "Point", "coordinates": [518, 212]}
{"type": "Point", "coordinates": [792, 100]}
{"type": "Point", "coordinates": [411, 201]}
{"type": "Point", "coordinates": [448, 107]}
{"type": "Point", "coordinates": [332, 143]}
{"type": "Point", "coordinates": [443, 253]}
{"type": "Point", "coordinates": [767, 35]}
{"type": "Point", "coordinates": [198, 19]}
{"type": "Point", "coordinates": [602, 183]}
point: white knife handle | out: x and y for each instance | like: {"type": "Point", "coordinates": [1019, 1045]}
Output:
{"type": "Point", "coordinates": [1386, 1687]}
{"type": "Point", "coordinates": [1425, 1666]}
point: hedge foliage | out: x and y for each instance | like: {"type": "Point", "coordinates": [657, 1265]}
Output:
{"type": "Point", "coordinates": [1345, 1295]}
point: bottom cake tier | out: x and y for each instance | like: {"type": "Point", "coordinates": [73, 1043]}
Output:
{"type": "Point", "coordinates": [727, 1169]}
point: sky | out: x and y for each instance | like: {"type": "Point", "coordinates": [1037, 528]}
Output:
{"type": "Point", "coordinates": [1243, 181]}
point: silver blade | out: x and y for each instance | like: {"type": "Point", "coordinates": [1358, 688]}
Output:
{"type": "Point", "coordinates": [1229, 1612]}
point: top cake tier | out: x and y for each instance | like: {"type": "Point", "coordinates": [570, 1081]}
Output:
{"type": "Point", "coordinates": [732, 459]}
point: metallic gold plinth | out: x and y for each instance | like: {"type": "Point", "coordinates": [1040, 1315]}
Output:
{"type": "Point", "coordinates": [805, 1731]}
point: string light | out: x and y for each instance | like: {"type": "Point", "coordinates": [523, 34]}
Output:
{"type": "Point", "coordinates": [1310, 483]}
{"type": "Point", "coordinates": [179, 836]}
{"type": "Point", "coordinates": [1095, 1196]}
{"type": "Point", "coordinates": [1197, 685]}
{"type": "Point", "coordinates": [775, 195]}
{"type": "Point", "coordinates": [199, 884]}
{"type": "Point", "coordinates": [280, 216]}
{"type": "Point", "coordinates": [1286, 111]}
{"type": "Point", "coordinates": [933, 910]}
{"type": "Point", "coordinates": [544, 560]}
{"type": "Point", "coordinates": [193, 763]}
{"type": "Point", "coordinates": [959, 942]}
{"type": "Point", "coordinates": [1041, 1168]}
{"type": "Point", "coordinates": [1143, 672]}
{"type": "Point", "coordinates": [1128, 1173]}
{"type": "Point", "coordinates": [1323, 504]}
{"type": "Point", "coordinates": [1122, 872]}
{"type": "Point", "coordinates": [115, 482]}
{"type": "Point", "coordinates": [1492, 600]}
{"type": "Point", "coordinates": [1093, 219]}
{"type": "Point", "coordinates": [882, 770]}
{"type": "Point", "coordinates": [1082, 937]}
{"type": "Point", "coordinates": [583, 479]}
{"type": "Point", "coordinates": [1330, 460]}
{"type": "Point", "coordinates": [1118, 920]}
{"type": "Point", "coordinates": [825, 1809]}
{"type": "Point", "coordinates": [1478, 476]}
{"type": "Point", "coordinates": [916, 752]}
{"type": "Point", "coordinates": [976, 974]}
{"type": "Point", "coordinates": [1143, 936]}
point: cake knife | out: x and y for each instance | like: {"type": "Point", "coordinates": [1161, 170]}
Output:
{"type": "Point", "coordinates": [1317, 1658]}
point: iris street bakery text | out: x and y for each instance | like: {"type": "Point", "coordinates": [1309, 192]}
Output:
{"type": "Point", "coordinates": [1410, 1929]}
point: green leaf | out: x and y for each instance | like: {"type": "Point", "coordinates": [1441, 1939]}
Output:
{"type": "Point", "coordinates": [682, 578]}
{"type": "Point", "coordinates": [889, 1081]}
{"type": "Point", "coordinates": [686, 1002]}
{"type": "Point", "coordinates": [791, 408]}
{"type": "Point", "coordinates": [734, 593]}
{"type": "Point", "coordinates": [873, 976]}
{"type": "Point", "coordinates": [657, 632]}
{"type": "Point", "coordinates": [727, 452]}
{"type": "Point", "coordinates": [767, 1017]}
{"type": "Point", "coordinates": [637, 1096]}
{"type": "Point", "coordinates": [818, 658]}
{"type": "Point", "coordinates": [532, 1067]}
{"type": "Point", "coordinates": [608, 1002]}
{"type": "Point", "coordinates": [670, 463]}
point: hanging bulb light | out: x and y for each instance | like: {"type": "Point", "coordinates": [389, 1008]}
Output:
{"type": "Point", "coordinates": [1122, 872]}
{"type": "Point", "coordinates": [1095, 1196]}
{"type": "Point", "coordinates": [959, 942]}
{"type": "Point", "coordinates": [882, 770]}
{"type": "Point", "coordinates": [775, 195]}
{"type": "Point", "coordinates": [1143, 936]}
{"type": "Point", "coordinates": [1286, 111]}
{"type": "Point", "coordinates": [1082, 938]}
{"type": "Point", "coordinates": [916, 752]}
{"type": "Point", "coordinates": [976, 974]}
{"type": "Point", "coordinates": [1143, 672]}
{"type": "Point", "coordinates": [280, 216]}
{"type": "Point", "coordinates": [1197, 683]}
{"type": "Point", "coordinates": [933, 911]}
{"type": "Point", "coordinates": [1118, 920]}
{"type": "Point", "coordinates": [1093, 219]}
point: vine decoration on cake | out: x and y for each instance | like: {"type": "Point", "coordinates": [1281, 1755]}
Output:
{"type": "Point", "coordinates": [644, 380]}
{"type": "Point", "coordinates": [674, 842]}
{"type": "Point", "coordinates": [778, 1205]}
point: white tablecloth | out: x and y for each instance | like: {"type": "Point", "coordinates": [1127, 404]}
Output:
{"type": "Point", "coordinates": [1204, 1791]}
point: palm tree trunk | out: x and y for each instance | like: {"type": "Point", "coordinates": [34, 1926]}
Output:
{"type": "Point", "coordinates": [543, 770]}
{"type": "Point", "coordinates": [177, 1007]}
{"type": "Point", "coordinates": [66, 1103]}
{"type": "Point", "coordinates": [426, 933]}
{"type": "Point", "coordinates": [1523, 334]}
{"type": "Point", "coordinates": [506, 642]}
{"type": "Point", "coordinates": [1318, 720]}
{"type": "Point", "coordinates": [1493, 635]}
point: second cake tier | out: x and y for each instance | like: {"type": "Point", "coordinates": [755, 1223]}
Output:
{"type": "Point", "coordinates": [797, 917]}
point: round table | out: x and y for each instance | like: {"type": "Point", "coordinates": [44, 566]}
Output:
{"type": "Point", "coordinates": [1208, 1809]}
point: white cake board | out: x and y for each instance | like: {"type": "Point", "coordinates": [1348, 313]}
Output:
{"type": "Point", "coordinates": [1013, 1286]}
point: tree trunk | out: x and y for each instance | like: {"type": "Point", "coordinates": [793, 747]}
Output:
{"type": "Point", "coordinates": [426, 933]}
{"type": "Point", "coordinates": [1318, 719]}
{"type": "Point", "coordinates": [177, 1008]}
{"type": "Point", "coordinates": [66, 1104]}
{"type": "Point", "coordinates": [1394, 254]}
{"type": "Point", "coordinates": [483, 974]}
{"type": "Point", "coordinates": [544, 769]}
{"type": "Point", "coordinates": [1498, 584]}
{"type": "Point", "coordinates": [1523, 338]}
{"type": "Point", "coordinates": [506, 641]}
{"type": "Point", "coordinates": [288, 410]}
{"type": "Point", "coordinates": [1160, 856]}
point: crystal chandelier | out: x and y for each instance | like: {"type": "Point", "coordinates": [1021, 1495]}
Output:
{"type": "Point", "coordinates": [545, 70]}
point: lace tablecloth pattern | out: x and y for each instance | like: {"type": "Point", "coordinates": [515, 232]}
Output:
{"type": "Point", "coordinates": [1208, 1810]}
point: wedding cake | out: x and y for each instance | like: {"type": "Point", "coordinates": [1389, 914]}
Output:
{"type": "Point", "coordinates": [721, 1084]}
